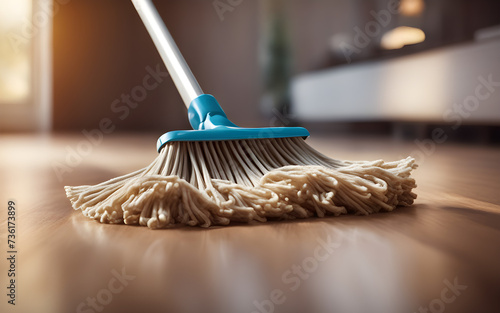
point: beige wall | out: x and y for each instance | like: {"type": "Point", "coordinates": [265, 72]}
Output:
{"type": "Point", "coordinates": [101, 50]}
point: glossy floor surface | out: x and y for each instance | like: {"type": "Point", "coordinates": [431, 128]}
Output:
{"type": "Point", "coordinates": [441, 254]}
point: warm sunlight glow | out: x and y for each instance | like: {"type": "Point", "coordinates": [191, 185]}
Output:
{"type": "Point", "coordinates": [411, 7]}
{"type": "Point", "coordinates": [15, 47]}
{"type": "Point", "coordinates": [401, 36]}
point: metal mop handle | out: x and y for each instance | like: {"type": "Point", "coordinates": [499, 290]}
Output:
{"type": "Point", "coordinates": [174, 61]}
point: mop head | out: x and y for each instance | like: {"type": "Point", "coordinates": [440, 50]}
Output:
{"type": "Point", "coordinates": [218, 182]}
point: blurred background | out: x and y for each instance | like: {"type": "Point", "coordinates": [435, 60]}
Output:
{"type": "Point", "coordinates": [397, 68]}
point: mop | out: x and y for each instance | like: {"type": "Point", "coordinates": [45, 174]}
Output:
{"type": "Point", "coordinates": [220, 173]}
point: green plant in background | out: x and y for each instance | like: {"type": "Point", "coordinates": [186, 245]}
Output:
{"type": "Point", "coordinates": [277, 62]}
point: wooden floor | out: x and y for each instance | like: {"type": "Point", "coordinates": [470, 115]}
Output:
{"type": "Point", "coordinates": [415, 258]}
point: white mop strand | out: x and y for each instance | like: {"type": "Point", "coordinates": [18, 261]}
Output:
{"type": "Point", "coordinates": [214, 183]}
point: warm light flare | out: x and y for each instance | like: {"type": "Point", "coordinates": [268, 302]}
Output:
{"type": "Point", "coordinates": [13, 12]}
{"type": "Point", "coordinates": [401, 36]}
{"type": "Point", "coordinates": [411, 7]}
{"type": "Point", "coordinates": [15, 60]}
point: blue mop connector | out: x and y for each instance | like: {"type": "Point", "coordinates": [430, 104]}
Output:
{"type": "Point", "coordinates": [210, 123]}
